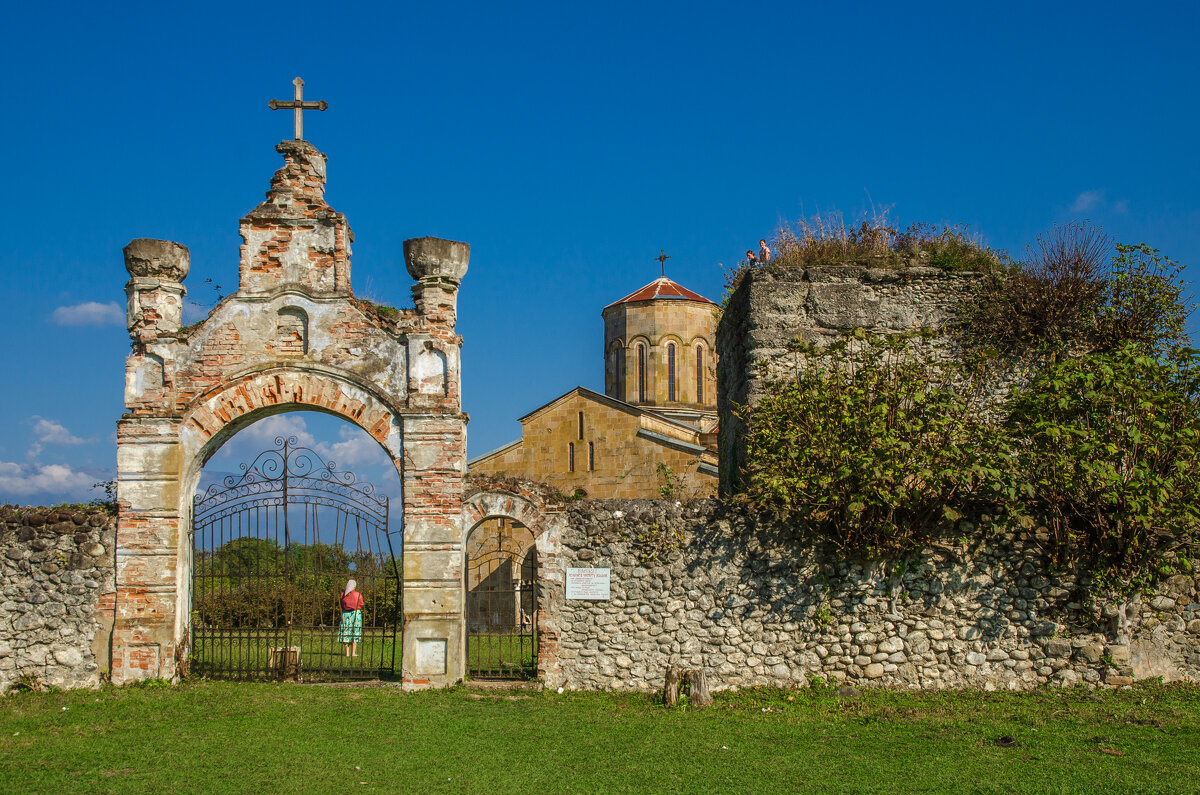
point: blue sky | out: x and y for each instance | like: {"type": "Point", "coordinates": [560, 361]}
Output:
{"type": "Point", "coordinates": [566, 142]}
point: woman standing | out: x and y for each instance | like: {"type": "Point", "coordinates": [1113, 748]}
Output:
{"type": "Point", "coordinates": [350, 632]}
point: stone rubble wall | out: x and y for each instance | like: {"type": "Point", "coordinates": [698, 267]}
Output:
{"type": "Point", "coordinates": [755, 605]}
{"type": "Point", "coordinates": [56, 597]}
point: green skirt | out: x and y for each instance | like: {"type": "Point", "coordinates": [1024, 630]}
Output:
{"type": "Point", "coordinates": [351, 629]}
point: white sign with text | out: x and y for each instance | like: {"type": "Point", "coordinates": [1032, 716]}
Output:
{"type": "Point", "coordinates": [588, 584]}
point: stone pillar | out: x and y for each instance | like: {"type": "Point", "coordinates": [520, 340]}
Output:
{"type": "Point", "coordinates": [438, 267]}
{"type": "Point", "coordinates": [434, 464]}
{"type": "Point", "coordinates": [149, 621]}
{"type": "Point", "coordinates": [154, 292]}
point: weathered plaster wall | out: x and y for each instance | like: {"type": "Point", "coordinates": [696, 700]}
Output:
{"type": "Point", "coordinates": [292, 337]}
{"type": "Point", "coordinates": [774, 305]}
{"type": "Point", "coordinates": [754, 605]}
{"type": "Point", "coordinates": [56, 607]}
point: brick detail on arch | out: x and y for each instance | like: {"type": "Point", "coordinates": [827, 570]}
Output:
{"type": "Point", "coordinates": [291, 337]}
{"type": "Point", "coordinates": [539, 508]}
{"type": "Point", "coordinates": [292, 389]}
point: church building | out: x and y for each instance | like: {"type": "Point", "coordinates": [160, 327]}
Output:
{"type": "Point", "coordinates": [653, 431]}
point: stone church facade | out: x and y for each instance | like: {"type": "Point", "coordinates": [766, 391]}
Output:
{"type": "Point", "coordinates": [653, 432]}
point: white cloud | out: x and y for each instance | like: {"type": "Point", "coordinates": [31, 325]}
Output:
{"type": "Point", "coordinates": [50, 432]}
{"type": "Point", "coordinates": [57, 479]}
{"type": "Point", "coordinates": [1087, 201]}
{"type": "Point", "coordinates": [1121, 207]}
{"type": "Point", "coordinates": [53, 432]}
{"type": "Point", "coordinates": [355, 449]}
{"type": "Point", "coordinates": [251, 441]}
{"type": "Point", "coordinates": [90, 313]}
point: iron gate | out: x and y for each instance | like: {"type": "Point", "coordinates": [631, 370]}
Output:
{"type": "Point", "coordinates": [502, 601]}
{"type": "Point", "coordinates": [273, 549]}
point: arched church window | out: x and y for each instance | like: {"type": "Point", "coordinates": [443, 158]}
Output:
{"type": "Point", "coordinates": [581, 425]}
{"type": "Point", "coordinates": [699, 373]}
{"type": "Point", "coordinates": [641, 365]}
{"type": "Point", "coordinates": [591, 456]}
{"type": "Point", "coordinates": [570, 456]}
{"type": "Point", "coordinates": [670, 371]}
{"type": "Point", "coordinates": [621, 374]}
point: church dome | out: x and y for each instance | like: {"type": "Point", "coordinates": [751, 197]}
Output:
{"type": "Point", "coordinates": [659, 351]}
{"type": "Point", "coordinates": [661, 288]}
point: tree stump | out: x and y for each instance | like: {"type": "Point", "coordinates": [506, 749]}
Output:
{"type": "Point", "coordinates": [689, 681]}
{"type": "Point", "coordinates": [671, 688]}
{"type": "Point", "coordinates": [697, 687]}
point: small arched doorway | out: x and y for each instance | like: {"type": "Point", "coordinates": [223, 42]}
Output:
{"type": "Point", "coordinates": [502, 600]}
{"type": "Point", "coordinates": [272, 549]}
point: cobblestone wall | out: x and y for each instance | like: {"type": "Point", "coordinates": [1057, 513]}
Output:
{"type": "Point", "coordinates": [57, 595]}
{"type": "Point", "coordinates": [754, 605]}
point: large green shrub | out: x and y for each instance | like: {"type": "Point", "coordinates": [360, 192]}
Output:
{"type": "Point", "coordinates": [870, 444]}
{"type": "Point", "coordinates": [1109, 456]}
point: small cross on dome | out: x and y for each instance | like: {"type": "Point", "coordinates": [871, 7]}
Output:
{"type": "Point", "coordinates": [661, 259]}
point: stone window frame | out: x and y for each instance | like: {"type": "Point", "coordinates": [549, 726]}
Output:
{"type": "Point", "coordinates": [591, 456]}
{"type": "Point", "coordinates": [570, 456]}
{"type": "Point", "coordinates": [699, 373]}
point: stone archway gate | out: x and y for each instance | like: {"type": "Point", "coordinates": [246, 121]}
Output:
{"type": "Point", "coordinates": [539, 509]}
{"type": "Point", "coordinates": [292, 337]}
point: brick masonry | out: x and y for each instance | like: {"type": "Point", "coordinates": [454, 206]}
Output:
{"type": "Point", "coordinates": [292, 337]}
{"type": "Point", "coordinates": [616, 451]}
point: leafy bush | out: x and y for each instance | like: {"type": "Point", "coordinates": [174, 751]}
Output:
{"type": "Point", "coordinates": [1067, 298]}
{"type": "Point", "coordinates": [1146, 304]}
{"type": "Point", "coordinates": [1109, 456]}
{"type": "Point", "coordinates": [875, 449]}
{"type": "Point", "coordinates": [870, 444]}
{"type": "Point", "coordinates": [1050, 301]}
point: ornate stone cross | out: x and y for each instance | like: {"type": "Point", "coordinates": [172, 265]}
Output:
{"type": "Point", "coordinates": [661, 259]}
{"type": "Point", "coordinates": [299, 105]}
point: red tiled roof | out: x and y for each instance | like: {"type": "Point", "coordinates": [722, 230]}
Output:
{"type": "Point", "coordinates": [662, 288]}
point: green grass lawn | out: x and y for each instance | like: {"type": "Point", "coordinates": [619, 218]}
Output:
{"type": "Point", "coordinates": [231, 737]}
{"type": "Point", "coordinates": [500, 655]}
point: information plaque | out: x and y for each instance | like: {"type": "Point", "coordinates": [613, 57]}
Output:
{"type": "Point", "coordinates": [588, 584]}
{"type": "Point", "coordinates": [431, 655]}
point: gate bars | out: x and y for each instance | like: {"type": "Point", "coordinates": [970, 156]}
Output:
{"type": "Point", "coordinates": [502, 602]}
{"type": "Point", "coordinates": [272, 551]}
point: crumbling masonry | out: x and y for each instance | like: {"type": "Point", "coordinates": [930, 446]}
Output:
{"type": "Point", "coordinates": [292, 337]}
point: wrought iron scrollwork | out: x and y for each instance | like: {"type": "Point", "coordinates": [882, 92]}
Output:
{"type": "Point", "coordinates": [290, 467]}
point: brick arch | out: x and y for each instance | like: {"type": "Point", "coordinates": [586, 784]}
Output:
{"type": "Point", "coordinates": [489, 498]}
{"type": "Point", "coordinates": [502, 504]}
{"type": "Point", "coordinates": [213, 418]}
